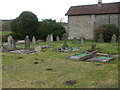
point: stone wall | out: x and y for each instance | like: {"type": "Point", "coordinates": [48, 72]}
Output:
{"type": "Point", "coordinates": [0, 25]}
{"type": "Point", "coordinates": [84, 25]}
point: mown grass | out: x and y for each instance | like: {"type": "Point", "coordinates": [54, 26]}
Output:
{"type": "Point", "coordinates": [5, 32]}
{"type": "Point", "coordinates": [23, 73]}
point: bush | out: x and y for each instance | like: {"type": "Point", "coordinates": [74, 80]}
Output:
{"type": "Point", "coordinates": [25, 24]}
{"type": "Point", "coordinates": [49, 26]}
{"type": "Point", "coordinates": [107, 30]}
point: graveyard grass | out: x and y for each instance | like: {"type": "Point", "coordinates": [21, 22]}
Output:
{"type": "Point", "coordinates": [19, 71]}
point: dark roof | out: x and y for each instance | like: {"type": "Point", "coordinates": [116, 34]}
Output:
{"type": "Point", "coordinates": [105, 8]}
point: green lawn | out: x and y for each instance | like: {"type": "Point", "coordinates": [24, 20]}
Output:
{"type": "Point", "coordinates": [19, 71]}
{"type": "Point", "coordinates": [5, 32]}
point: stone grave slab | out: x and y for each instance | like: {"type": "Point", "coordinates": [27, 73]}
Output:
{"type": "Point", "coordinates": [83, 55]}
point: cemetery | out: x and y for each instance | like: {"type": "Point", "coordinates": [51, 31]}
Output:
{"type": "Point", "coordinates": [43, 55]}
{"type": "Point", "coordinates": [61, 63]}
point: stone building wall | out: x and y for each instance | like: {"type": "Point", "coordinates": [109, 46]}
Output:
{"type": "Point", "coordinates": [0, 25]}
{"type": "Point", "coordinates": [84, 25]}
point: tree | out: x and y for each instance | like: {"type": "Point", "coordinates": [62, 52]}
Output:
{"type": "Point", "coordinates": [107, 30]}
{"type": "Point", "coordinates": [25, 24]}
{"type": "Point", "coordinates": [49, 26]}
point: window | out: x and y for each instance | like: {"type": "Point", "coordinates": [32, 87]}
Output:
{"type": "Point", "coordinates": [93, 16]}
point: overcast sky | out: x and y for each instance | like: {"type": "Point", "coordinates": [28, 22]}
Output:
{"type": "Point", "coordinates": [44, 9]}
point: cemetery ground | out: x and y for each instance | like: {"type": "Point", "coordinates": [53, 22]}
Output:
{"type": "Point", "coordinates": [50, 69]}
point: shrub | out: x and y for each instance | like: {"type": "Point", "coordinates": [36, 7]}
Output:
{"type": "Point", "coordinates": [25, 24]}
{"type": "Point", "coordinates": [49, 26]}
{"type": "Point", "coordinates": [107, 30]}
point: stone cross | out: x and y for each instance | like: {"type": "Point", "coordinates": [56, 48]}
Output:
{"type": "Point", "coordinates": [113, 39]}
{"type": "Point", "coordinates": [57, 38]}
{"type": "Point", "coordinates": [65, 36]}
{"type": "Point", "coordinates": [27, 43]}
{"type": "Point", "coordinates": [100, 38]}
{"type": "Point", "coordinates": [82, 40]}
{"type": "Point", "coordinates": [10, 42]}
{"type": "Point", "coordinates": [33, 40]}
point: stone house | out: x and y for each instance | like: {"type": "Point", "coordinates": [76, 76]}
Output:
{"type": "Point", "coordinates": [82, 20]}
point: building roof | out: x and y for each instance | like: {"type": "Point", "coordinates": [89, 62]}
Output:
{"type": "Point", "coordinates": [104, 8]}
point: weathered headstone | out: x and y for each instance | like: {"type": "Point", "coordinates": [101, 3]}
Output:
{"type": "Point", "coordinates": [33, 40]}
{"type": "Point", "coordinates": [82, 40]}
{"type": "Point", "coordinates": [51, 37]}
{"type": "Point", "coordinates": [93, 47]}
{"type": "Point", "coordinates": [1, 44]}
{"type": "Point", "coordinates": [65, 36]}
{"type": "Point", "coordinates": [10, 42]}
{"type": "Point", "coordinates": [48, 41]}
{"type": "Point", "coordinates": [27, 43]}
{"type": "Point", "coordinates": [13, 44]}
{"type": "Point", "coordinates": [57, 38]}
{"type": "Point", "coordinates": [100, 38]}
{"type": "Point", "coordinates": [75, 42]}
{"type": "Point", "coordinates": [38, 48]}
{"type": "Point", "coordinates": [113, 39]}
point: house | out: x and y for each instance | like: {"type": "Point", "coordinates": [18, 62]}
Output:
{"type": "Point", "coordinates": [82, 20]}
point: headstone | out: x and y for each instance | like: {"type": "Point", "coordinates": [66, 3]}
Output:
{"type": "Point", "coordinates": [13, 44]}
{"type": "Point", "coordinates": [100, 38]}
{"type": "Point", "coordinates": [82, 40]}
{"type": "Point", "coordinates": [10, 42]}
{"type": "Point", "coordinates": [27, 43]}
{"type": "Point", "coordinates": [51, 37]}
{"type": "Point", "coordinates": [57, 38]}
{"type": "Point", "coordinates": [38, 48]}
{"type": "Point", "coordinates": [48, 41]}
{"type": "Point", "coordinates": [33, 40]}
{"type": "Point", "coordinates": [113, 39]}
{"type": "Point", "coordinates": [1, 44]}
{"type": "Point", "coordinates": [75, 42]}
{"type": "Point", "coordinates": [93, 47]}
{"type": "Point", "coordinates": [65, 36]}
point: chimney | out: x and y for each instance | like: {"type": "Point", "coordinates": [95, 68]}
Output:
{"type": "Point", "coordinates": [99, 1]}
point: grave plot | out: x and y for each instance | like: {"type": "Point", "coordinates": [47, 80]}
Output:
{"type": "Point", "coordinates": [102, 58]}
{"type": "Point", "coordinates": [83, 55]}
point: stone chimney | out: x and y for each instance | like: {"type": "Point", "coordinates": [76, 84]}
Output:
{"type": "Point", "coordinates": [99, 3]}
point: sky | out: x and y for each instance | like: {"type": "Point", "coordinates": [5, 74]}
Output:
{"type": "Point", "coordinates": [43, 9]}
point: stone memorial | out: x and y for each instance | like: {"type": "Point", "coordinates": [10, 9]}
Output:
{"type": "Point", "coordinates": [65, 36]}
{"type": "Point", "coordinates": [113, 39]}
{"type": "Point", "coordinates": [82, 40]}
{"type": "Point", "coordinates": [100, 38]}
{"type": "Point", "coordinates": [57, 38]}
{"type": "Point", "coordinates": [33, 40]}
{"type": "Point", "coordinates": [93, 47]}
{"type": "Point", "coordinates": [27, 43]}
{"type": "Point", "coordinates": [13, 44]}
{"type": "Point", "coordinates": [10, 42]}
{"type": "Point", "coordinates": [51, 37]}
{"type": "Point", "coordinates": [48, 41]}
{"type": "Point", "coordinates": [1, 44]}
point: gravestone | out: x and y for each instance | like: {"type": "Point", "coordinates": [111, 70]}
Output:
{"type": "Point", "coordinates": [113, 39]}
{"type": "Point", "coordinates": [10, 42]}
{"type": "Point", "coordinates": [33, 40]}
{"type": "Point", "coordinates": [27, 43]}
{"type": "Point", "coordinates": [82, 40]}
{"type": "Point", "coordinates": [1, 44]}
{"type": "Point", "coordinates": [93, 47]}
{"type": "Point", "coordinates": [38, 48]}
{"type": "Point", "coordinates": [13, 44]}
{"type": "Point", "coordinates": [65, 36]}
{"type": "Point", "coordinates": [51, 37]}
{"type": "Point", "coordinates": [48, 41]}
{"type": "Point", "coordinates": [57, 38]}
{"type": "Point", "coordinates": [75, 42]}
{"type": "Point", "coordinates": [100, 38]}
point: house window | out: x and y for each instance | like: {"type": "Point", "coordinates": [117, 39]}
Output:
{"type": "Point", "coordinates": [92, 16]}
